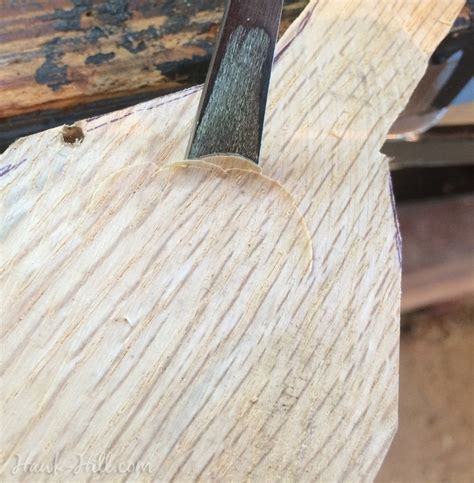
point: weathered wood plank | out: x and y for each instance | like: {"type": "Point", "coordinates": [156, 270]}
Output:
{"type": "Point", "coordinates": [67, 53]}
{"type": "Point", "coordinates": [218, 324]}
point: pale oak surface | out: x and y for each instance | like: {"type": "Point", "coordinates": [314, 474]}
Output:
{"type": "Point", "coordinates": [218, 324]}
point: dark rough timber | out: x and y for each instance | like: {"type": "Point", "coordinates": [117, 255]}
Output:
{"type": "Point", "coordinates": [111, 12]}
{"type": "Point", "coordinates": [100, 58]}
{"type": "Point", "coordinates": [52, 65]}
{"type": "Point", "coordinates": [53, 72]}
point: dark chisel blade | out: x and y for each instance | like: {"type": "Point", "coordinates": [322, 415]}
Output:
{"type": "Point", "coordinates": [232, 110]}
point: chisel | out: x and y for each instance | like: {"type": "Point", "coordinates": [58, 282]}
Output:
{"type": "Point", "coordinates": [232, 108]}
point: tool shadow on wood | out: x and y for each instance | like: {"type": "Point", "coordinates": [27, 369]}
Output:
{"type": "Point", "coordinates": [172, 316]}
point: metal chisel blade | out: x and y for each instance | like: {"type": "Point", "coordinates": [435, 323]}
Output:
{"type": "Point", "coordinates": [232, 109]}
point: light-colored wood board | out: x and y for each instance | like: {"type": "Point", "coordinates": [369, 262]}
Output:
{"type": "Point", "coordinates": [218, 324]}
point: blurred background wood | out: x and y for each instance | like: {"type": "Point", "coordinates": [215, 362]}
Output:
{"type": "Point", "coordinates": [435, 440]}
{"type": "Point", "coordinates": [458, 115]}
{"type": "Point", "coordinates": [438, 257]}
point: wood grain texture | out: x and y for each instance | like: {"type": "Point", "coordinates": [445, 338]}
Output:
{"type": "Point", "coordinates": [217, 322]}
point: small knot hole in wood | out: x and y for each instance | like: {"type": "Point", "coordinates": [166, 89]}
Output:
{"type": "Point", "coordinates": [72, 134]}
